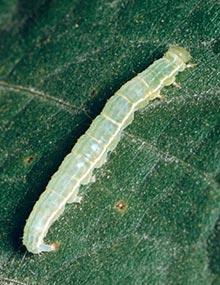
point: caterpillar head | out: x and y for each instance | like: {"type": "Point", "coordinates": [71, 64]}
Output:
{"type": "Point", "coordinates": [180, 52]}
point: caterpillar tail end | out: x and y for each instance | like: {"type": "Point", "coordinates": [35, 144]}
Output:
{"type": "Point", "coordinates": [43, 247]}
{"type": "Point", "coordinates": [49, 247]}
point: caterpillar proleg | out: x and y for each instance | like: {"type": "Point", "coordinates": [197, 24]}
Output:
{"type": "Point", "coordinates": [91, 149]}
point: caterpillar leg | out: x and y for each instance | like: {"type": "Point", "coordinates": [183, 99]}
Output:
{"type": "Point", "coordinates": [78, 199]}
{"type": "Point", "coordinates": [159, 96]}
{"type": "Point", "coordinates": [177, 85]}
{"type": "Point", "coordinates": [75, 199]}
{"type": "Point", "coordinates": [191, 65]}
{"type": "Point", "coordinates": [93, 179]}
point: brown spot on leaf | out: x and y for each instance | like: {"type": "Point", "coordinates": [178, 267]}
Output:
{"type": "Point", "coordinates": [121, 206]}
{"type": "Point", "coordinates": [55, 246]}
{"type": "Point", "coordinates": [28, 160]}
{"type": "Point", "coordinates": [216, 46]}
{"type": "Point", "coordinates": [93, 93]}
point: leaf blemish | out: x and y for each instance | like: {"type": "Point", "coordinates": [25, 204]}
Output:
{"type": "Point", "coordinates": [56, 246]}
{"type": "Point", "coordinates": [121, 206]}
{"type": "Point", "coordinates": [216, 46]}
{"type": "Point", "coordinates": [93, 93]}
{"type": "Point", "coordinates": [28, 160]}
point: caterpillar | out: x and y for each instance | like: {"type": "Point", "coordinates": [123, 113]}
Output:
{"type": "Point", "coordinates": [91, 149]}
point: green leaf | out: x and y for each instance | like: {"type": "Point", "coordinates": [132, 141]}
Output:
{"type": "Point", "coordinates": [151, 217]}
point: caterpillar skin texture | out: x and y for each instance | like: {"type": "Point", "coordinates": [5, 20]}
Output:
{"type": "Point", "coordinates": [91, 149]}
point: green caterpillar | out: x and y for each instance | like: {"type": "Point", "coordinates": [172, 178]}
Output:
{"type": "Point", "coordinates": [91, 149]}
